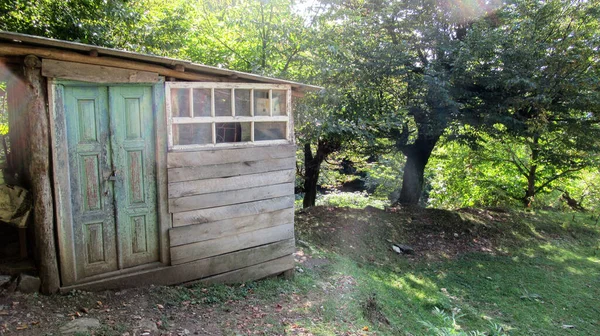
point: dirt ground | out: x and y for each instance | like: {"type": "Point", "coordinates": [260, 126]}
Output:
{"type": "Point", "coordinates": [365, 235]}
{"type": "Point", "coordinates": [159, 311]}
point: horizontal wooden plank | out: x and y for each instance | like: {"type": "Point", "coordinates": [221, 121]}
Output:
{"type": "Point", "coordinates": [231, 211]}
{"type": "Point", "coordinates": [204, 268]}
{"type": "Point", "coordinates": [255, 272]}
{"type": "Point", "coordinates": [189, 120]}
{"type": "Point", "coordinates": [229, 155]}
{"type": "Point", "coordinates": [95, 73]}
{"type": "Point", "coordinates": [230, 169]}
{"type": "Point", "coordinates": [217, 199]}
{"type": "Point", "coordinates": [196, 251]}
{"type": "Point", "coordinates": [189, 188]}
{"type": "Point", "coordinates": [200, 232]}
{"type": "Point", "coordinates": [228, 85]}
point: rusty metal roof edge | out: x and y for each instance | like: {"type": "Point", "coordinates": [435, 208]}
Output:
{"type": "Point", "coordinates": [201, 68]}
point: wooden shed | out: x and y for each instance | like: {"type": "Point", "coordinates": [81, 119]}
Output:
{"type": "Point", "coordinates": [149, 170]}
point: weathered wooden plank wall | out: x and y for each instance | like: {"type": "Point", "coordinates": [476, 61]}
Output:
{"type": "Point", "coordinates": [228, 202]}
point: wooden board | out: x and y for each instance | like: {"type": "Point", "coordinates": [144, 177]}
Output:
{"type": "Point", "coordinates": [196, 251]}
{"type": "Point", "coordinates": [232, 211]}
{"type": "Point", "coordinates": [227, 227]}
{"type": "Point", "coordinates": [95, 73]}
{"type": "Point", "coordinates": [189, 188]}
{"type": "Point", "coordinates": [217, 199]}
{"type": "Point", "coordinates": [171, 275]}
{"type": "Point", "coordinates": [229, 169]}
{"type": "Point", "coordinates": [234, 155]}
{"type": "Point", "coordinates": [255, 272]}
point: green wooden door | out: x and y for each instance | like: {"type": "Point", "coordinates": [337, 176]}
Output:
{"type": "Point", "coordinates": [111, 145]}
{"type": "Point", "coordinates": [133, 152]}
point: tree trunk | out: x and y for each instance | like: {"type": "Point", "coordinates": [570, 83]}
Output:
{"type": "Point", "coordinates": [312, 168]}
{"type": "Point", "coordinates": [531, 176]}
{"type": "Point", "coordinates": [311, 177]}
{"type": "Point", "coordinates": [530, 192]}
{"type": "Point", "coordinates": [417, 156]}
{"type": "Point", "coordinates": [39, 169]}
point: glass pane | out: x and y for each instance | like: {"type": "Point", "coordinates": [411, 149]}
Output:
{"type": "Point", "coordinates": [192, 134]}
{"type": "Point", "coordinates": [242, 102]}
{"type": "Point", "coordinates": [279, 103]}
{"type": "Point", "coordinates": [180, 102]}
{"type": "Point", "coordinates": [233, 132]}
{"type": "Point", "coordinates": [201, 102]}
{"type": "Point", "coordinates": [223, 102]}
{"type": "Point", "coordinates": [269, 131]}
{"type": "Point", "coordinates": [261, 103]}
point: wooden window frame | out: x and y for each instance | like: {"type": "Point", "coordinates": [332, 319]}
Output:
{"type": "Point", "coordinates": [213, 120]}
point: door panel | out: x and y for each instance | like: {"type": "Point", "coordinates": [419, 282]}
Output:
{"type": "Point", "coordinates": [86, 110]}
{"type": "Point", "coordinates": [133, 150]}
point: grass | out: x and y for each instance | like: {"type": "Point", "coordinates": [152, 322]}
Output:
{"type": "Point", "coordinates": [544, 279]}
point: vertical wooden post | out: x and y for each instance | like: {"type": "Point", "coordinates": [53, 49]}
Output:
{"type": "Point", "coordinates": [39, 169]}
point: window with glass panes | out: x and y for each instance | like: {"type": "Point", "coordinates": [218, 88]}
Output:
{"type": "Point", "coordinates": [227, 114]}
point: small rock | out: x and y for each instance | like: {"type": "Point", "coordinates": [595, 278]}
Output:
{"type": "Point", "coordinates": [405, 248]}
{"type": "Point", "coordinates": [147, 325]}
{"type": "Point", "coordinates": [5, 281]}
{"type": "Point", "coordinates": [302, 243]}
{"type": "Point", "coordinates": [79, 326]}
{"type": "Point", "coordinates": [28, 284]}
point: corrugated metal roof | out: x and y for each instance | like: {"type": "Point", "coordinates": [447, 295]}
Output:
{"type": "Point", "coordinates": [157, 60]}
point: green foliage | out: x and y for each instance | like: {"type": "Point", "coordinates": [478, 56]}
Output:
{"type": "Point", "coordinates": [461, 176]}
{"type": "Point", "coordinates": [384, 176]}
{"type": "Point", "coordinates": [264, 37]}
{"type": "Point", "coordinates": [357, 200]}
{"type": "Point", "coordinates": [534, 69]}
{"type": "Point", "coordinates": [87, 21]}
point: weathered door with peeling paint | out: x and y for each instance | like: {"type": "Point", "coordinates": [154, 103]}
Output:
{"type": "Point", "coordinates": [111, 144]}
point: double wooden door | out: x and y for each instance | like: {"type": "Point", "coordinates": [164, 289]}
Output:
{"type": "Point", "coordinates": [110, 137]}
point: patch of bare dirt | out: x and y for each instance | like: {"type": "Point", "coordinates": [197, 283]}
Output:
{"type": "Point", "coordinates": [434, 234]}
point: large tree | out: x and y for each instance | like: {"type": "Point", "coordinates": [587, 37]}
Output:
{"type": "Point", "coordinates": [535, 69]}
{"type": "Point", "coordinates": [408, 49]}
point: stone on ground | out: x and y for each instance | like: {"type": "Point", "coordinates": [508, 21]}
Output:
{"type": "Point", "coordinates": [28, 284]}
{"type": "Point", "coordinates": [81, 326]}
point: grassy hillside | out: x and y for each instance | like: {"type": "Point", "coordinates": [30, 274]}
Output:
{"type": "Point", "coordinates": [493, 271]}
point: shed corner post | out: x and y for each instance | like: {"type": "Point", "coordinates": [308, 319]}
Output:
{"type": "Point", "coordinates": [39, 169]}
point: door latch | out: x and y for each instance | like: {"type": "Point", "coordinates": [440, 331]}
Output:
{"type": "Point", "coordinates": [113, 176]}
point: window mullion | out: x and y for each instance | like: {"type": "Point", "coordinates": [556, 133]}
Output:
{"type": "Point", "coordinates": [212, 102]}
{"type": "Point", "coordinates": [270, 103]}
{"type": "Point", "coordinates": [191, 102]}
{"type": "Point", "coordinates": [232, 102]}
{"type": "Point", "coordinates": [252, 102]}
{"type": "Point", "coordinates": [212, 114]}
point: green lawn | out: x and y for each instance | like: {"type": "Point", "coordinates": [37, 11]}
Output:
{"type": "Point", "coordinates": [544, 281]}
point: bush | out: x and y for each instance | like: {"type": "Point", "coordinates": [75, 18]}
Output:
{"type": "Point", "coordinates": [357, 200]}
